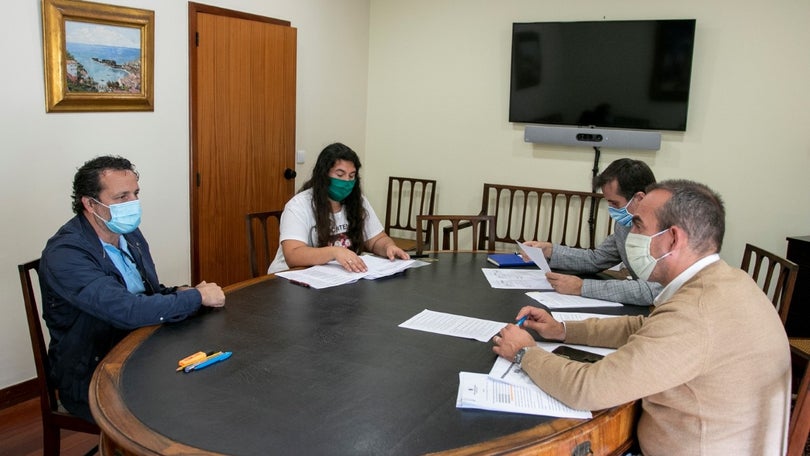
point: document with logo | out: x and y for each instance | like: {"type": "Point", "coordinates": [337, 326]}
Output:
{"type": "Point", "coordinates": [480, 391]}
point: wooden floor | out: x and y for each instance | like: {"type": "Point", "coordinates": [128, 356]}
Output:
{"type": "Point", "coordinates": [21, 433]}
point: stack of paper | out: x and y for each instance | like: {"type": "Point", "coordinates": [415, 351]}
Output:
{"type": "Point", "coordinates": [480, 391]}
{"type": "Point", "coordinates": [506, 388]}
{"type": "Point", "coordinates": [333, 274]}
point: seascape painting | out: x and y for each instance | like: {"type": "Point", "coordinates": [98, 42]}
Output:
{"type": "Point", "coordinates": [102, 58]}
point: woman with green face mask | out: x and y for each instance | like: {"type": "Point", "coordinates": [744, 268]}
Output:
{"type": "Point", "coordinates": [330, 219]}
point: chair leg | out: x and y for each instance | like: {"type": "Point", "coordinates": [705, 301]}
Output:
{"type": "Point", "coordinates": [51, 440]}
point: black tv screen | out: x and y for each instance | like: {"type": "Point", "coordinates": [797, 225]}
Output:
{"type": "Point", "coordinates": [614, 74]}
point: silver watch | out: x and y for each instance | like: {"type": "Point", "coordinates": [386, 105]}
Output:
{"type": "Point", "coordinates": [519, 355]}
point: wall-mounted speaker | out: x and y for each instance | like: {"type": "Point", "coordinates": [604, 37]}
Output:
{"type": "Point", "coordinates": [593, 137]}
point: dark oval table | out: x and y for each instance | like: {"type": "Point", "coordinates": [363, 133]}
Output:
{"type": "Point", "coordinates": [330, 372]}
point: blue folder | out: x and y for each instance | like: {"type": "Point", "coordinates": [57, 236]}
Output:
{"type": "Point", "coordinates": [508, 260]}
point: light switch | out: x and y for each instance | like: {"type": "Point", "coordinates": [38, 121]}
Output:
{"type": "Point", "coordinates": [300, 156]}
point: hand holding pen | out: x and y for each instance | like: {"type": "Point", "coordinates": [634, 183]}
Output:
{"type": "Point", "coordinates": [540, 320]}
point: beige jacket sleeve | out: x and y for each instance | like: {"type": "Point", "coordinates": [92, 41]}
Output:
{"type": "Point", "coordinates": [667, 351]}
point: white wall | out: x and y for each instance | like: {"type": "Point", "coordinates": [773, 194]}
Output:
{"type": "Point", "coordinates": [438, 107]}
{"type": "Point", "coordinates": [41, 152]}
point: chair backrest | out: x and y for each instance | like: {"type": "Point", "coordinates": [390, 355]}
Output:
{"type": "Point", "coordinates": [47, 394]}
{"type": "Point", "coordinates": [799, 428]}
{"type": "Point", "coordinates": [482, 228]}
{"type": "Point", "coordinates": [261, 245]}
{"type": "Point", "coordinates": [777, 279]}
{"type": "Point", "coordinates": [564, 217]}
{"type": "Point", "coordinates": [52, 417]}
{"type": "Point", "coordinates": [408, 197]}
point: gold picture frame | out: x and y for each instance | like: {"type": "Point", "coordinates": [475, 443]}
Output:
{"type": "Point", "coordinates": [112, 69]}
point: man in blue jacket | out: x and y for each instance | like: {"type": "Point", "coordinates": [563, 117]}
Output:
{"type": "Point", "coordinates": [99, 282]}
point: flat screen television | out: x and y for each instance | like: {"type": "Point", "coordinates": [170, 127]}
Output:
{"type": "Point", "coordinates": [614, 74]}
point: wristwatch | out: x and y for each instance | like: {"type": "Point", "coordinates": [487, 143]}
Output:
{"type": "Point", "coordinates": [519, 355]}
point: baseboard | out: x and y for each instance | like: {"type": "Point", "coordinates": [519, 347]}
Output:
{"type": "Point", "coordinates": [20, 392]}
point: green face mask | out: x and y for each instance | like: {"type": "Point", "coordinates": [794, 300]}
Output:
{"type": "Point", "coordinates": [339, 189]}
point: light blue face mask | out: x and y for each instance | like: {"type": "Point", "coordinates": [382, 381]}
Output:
{"type": "Point", "coordinates": [124, 217]}
{"type": "Point", "coordinates": [622, 216]}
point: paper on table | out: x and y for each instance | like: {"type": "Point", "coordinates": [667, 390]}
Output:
{"type": "Point", "coordinates": [524, 279]}
{"type": "Point", "coordinates": [536, 255]}
{"type": "Point", "coordinates": [578, 316]}
{"type": "Point", "coordinates": [479, 391]}
{"type": "Point", "coordinates": [554, 300]}
{"type": "Point", "coordinates": [383, 267]}
{"type": "Point", "coordinates": [453, 325]}
{"type": "Point", "coordinates": [333, 274]}
{"type": "Point", "coordinates": [506, 371]}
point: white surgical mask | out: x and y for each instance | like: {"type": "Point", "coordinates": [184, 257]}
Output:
{"type": "Point", "coordinates": [641, 261]}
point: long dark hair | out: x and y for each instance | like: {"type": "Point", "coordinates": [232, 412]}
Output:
{"type": "Point", "coordinates": [353, 204]}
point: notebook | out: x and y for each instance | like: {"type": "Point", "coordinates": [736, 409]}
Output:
{"type": "Point", "coordinates": [508, 260]}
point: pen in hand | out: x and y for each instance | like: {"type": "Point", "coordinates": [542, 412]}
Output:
{"type": "Point", "coordinates": [522, 320]}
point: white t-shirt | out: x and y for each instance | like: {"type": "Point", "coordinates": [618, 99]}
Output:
{"type": "Point", "coordinates": [298, 223]}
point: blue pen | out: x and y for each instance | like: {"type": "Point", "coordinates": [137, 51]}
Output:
{"type": "Point", "coordinates": [208, 362]}
{"type": "Point", "coordinates": [522, 320]}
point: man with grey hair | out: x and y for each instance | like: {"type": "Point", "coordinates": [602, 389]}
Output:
{"type": "Point", "coordinates": [710, 364]}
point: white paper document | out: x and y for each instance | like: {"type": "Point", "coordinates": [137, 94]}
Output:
{"type": "Point", "coordinates": [480, 391]}
{"type": "Point", "coordinates": [333, 274]}
{"type": "Point", "coordinates": [578, 316]}
{"type": "Point", "coordinates": [506, 371]}
{"type": "Point", "coordinates": [522, 279]}
{"type": "Point", "coordinates": [554, 300]}
{"type": "Point", "coordinates": [536, 255]}
{"type": "Point", "coordinates": [453, 325]}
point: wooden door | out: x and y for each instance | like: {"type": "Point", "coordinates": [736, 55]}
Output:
{"type": "Point", "coordinates": [242, 79]}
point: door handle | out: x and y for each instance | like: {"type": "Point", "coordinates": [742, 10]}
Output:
{"type": "Point", "coordinates": [289, 174]}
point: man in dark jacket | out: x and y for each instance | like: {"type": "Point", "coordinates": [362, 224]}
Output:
{"type": "Point", "coordinates": [99, 281]}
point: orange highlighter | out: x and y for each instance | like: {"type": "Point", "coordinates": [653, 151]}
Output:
{"type": "Point", "coordinates": [192, 359]}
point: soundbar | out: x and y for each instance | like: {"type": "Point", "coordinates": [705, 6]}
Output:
{"type": "Point", "coordinates": [593, 137]}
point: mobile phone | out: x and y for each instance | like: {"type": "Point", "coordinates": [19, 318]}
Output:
{"type": "Point", "coordinates": [575, 354]}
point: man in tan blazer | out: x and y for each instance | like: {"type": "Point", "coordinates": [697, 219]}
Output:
{"type": "Point", "coordinates": [710, 364]}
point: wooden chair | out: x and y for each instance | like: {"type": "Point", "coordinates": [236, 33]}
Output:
{"type": "Point", "coordinates": [482, 228]}
{"type": "Point", "coordinates": [260, 243]}
{"type": "Point", "coordinates": [564, 217]}
{"type": "Point", "coordinates": [408, 198]}
{"type": "Point", "coordinates": [54, 417]}
{"type": "Point", "coordinates": [778, 287]}
{"type": "Point", "coordinates": [799, 428]}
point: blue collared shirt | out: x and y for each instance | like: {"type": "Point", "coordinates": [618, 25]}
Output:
{"type": "Point", "coordinates": [123, 261]}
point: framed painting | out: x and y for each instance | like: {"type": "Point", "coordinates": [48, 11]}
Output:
{"type": "Point", "coordinates": [97, 57]}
